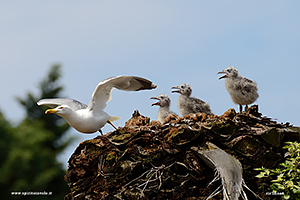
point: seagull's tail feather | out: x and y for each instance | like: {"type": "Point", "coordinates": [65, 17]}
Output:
{"type": "Point", "coordinates": [113, 118]}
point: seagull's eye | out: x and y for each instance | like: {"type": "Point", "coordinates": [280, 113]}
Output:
{"type": "Point", "coordinates": [61, 107]}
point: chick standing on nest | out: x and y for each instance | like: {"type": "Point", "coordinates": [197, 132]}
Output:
{"type": "Point", "coordinates": [164, 110]}
{"type": "Point", "coordinates": [187, 104]}
{"type": "Point", "coordinates": [242, 91]}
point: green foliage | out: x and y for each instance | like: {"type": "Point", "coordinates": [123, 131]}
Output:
{"type": "Point", "coordinates": [49, 88]}
{"type": "Point", "coordinates": [29, 150]}
{"type": "Point", "coordinates": [286, 178]}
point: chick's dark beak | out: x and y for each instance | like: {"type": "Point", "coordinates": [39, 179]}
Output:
{"type": "Point", "coordinates": [222, 72]}
{"type": "Point", "coordinates": [156, 103]}
{"type": "Point", "coordinates": [176, 90]}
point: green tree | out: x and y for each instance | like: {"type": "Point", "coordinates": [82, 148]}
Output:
{"type": "Point", "coordinates": [49, 88]}
{"type": "Point", "coordinates": [29, 150]}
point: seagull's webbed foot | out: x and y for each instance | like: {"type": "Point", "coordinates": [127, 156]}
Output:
{"type": "Point", "coordinates": [111, 124]}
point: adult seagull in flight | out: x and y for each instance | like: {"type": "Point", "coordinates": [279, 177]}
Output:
{"type": "Point", "coordinates": [91, 118]}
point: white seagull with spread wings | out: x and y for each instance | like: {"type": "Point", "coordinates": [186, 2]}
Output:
{"type": "Point", "coordinates": [91, 118]}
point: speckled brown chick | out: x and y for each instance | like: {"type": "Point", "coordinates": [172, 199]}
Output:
{"type": "Point", "coordinates": [242, 91]}
{"type": "Point", "coordinates": [187, 104]}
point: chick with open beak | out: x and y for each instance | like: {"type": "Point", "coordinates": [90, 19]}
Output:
{"type": "Point", "coordinates": [155, 103]}
{"type": "Point", "coordinates": [242, 91]}
{"type": "Point", "coordinates": [229, 72]}
{"type": "Point", "coordinates": [223, 72]}
{"type": "Point", "coordinates": [187, 104]}
{"type": "Point", "coordinates": [164, 103]}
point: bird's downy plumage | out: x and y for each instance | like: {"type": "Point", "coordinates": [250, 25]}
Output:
{"type": "Point", "coordinates": [91, 118]}
{"type": "Point", "coordinates": [187, 104]}
{"type": "Point", "coordinates": [164, 103]}
{"type": "Point", "coordinates": [242, 91]}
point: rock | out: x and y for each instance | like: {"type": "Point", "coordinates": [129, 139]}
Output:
{"type": "Point", "coordinates": [152, 160]}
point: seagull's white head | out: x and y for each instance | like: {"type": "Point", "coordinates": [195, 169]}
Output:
{"type": "Point", "coordinates": [184, 89]}
{"type": "Point", "coordinates": [163, 100]}
{"type": "Point", "coordinates": [61, 110]}
{"type": "Point", "coordinates": [229, 72]}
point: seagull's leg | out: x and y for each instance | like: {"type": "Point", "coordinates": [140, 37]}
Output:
{"type": "Point", "coordinates": [101, 132]}
{"type": "Point", "coordinates": [241, 108]}
{"type": "Point", "coordinates": [111, 124]}
{"type": "Point", "coordinates": [246, 108]}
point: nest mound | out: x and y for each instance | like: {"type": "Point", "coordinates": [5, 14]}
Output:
{"type": "Point", "coordinates": [150, 160]}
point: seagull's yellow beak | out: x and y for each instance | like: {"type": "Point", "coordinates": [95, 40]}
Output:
{"type": "Point", "coordinates": [50, 111]}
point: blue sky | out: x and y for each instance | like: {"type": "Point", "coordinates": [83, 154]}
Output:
{"type": "Point", "coordinates": [169, 42]}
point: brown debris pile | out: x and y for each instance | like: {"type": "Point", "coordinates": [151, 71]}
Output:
{"type": "Point", "coordinates": [149, 160]}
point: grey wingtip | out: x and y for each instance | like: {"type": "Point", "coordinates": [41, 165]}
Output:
{"type": "Point", "coordinates": [153, 85]}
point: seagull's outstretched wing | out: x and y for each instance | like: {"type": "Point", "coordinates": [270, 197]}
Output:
{"type": "Point", "coordinates": [52, 103]}
{"type": "Point", "coordinates": [102, 93]}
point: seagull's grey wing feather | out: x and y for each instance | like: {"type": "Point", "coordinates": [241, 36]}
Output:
{"type": "Point", "coordinates": [246, 86]}
{"type": "Point", "coordinates": [102, 93]}
{"type": "Point", "coordinates": [200, 106]}
{"type": "Point", "coordinates": [197, 100]}
{"type": "Point", "coordinates": [196, 104]}
{"type": "Point", "coordinates": [52, 103]}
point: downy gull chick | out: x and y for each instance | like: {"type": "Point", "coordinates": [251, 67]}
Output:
{"type": "Point", "coordinates": [91, 118]}
{"type": "Point", "coordinates": [164, 111]}
{"type": "Point", "coordinates": [187, 104]}
{"type": "Point", "coordinates": [242, 91]}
